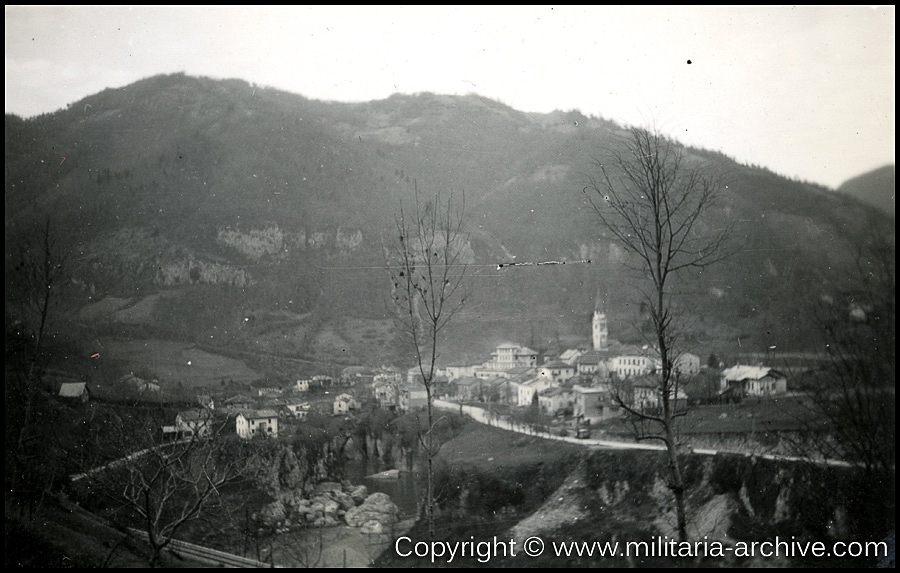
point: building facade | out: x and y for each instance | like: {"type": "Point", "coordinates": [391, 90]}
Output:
{"type": "Point", "coordinates": [257, 423]}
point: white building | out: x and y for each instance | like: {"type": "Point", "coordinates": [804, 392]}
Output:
{"type": "Point", "coordinates": [257, 422]}
{"type": "Point", "coordinates": [298, 409]}
{"type": "Point", "coordinates": [570, 355]}
{"type": "Point", "coordinates": [595, 363]}
{"type": "Point", "coordinates": [647, 395]}
{"type": "Point", "coordinates": [196, 421]}
{"type": "Point", "coordinates": [635, 362]}
{"type": "Point", "coordinates": [345, 403]}
{"type": "Point", "coordinates": [527, 390]}
{"type": "Point", "coordinates": [509, 355]}
{"type": "Point", "coordinates": [413, 398]}
{"type": "Point", "coordinates": [593, 403]}
{"type": "Point", "coordinates": [753, 380]}
{"type": "Point", "coordinates": [459, 371]}
{"type": "Point", "coordinates": [386, 390]}
{"type": "Point", "coordinates": [552, 400]}
{"type": "Point", "coordinates": [557, 371]}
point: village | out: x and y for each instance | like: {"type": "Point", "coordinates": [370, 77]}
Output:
{"type": "Point", "coordinates": [571, 391]}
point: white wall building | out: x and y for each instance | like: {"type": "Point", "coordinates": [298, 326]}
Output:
{"type": "Point", "coordinates": [754, 380]}
{"type": "Point", "coordinates": [526, 391]}
{"type": "Point", "coordinates": [344, 403]}
{"type": "Point", "coordinates": [256, 422]}
{"type": "Point", "coordinates": [636, 362]}
{"type": "Point", "coordinates": [509, 355]}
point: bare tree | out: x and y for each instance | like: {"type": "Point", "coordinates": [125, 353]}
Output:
{"type": "Point", "coordinates": [159, 485]}
{"type": "Point", "coordinates": [40, 274]}
{"type": "Point", "coordinates": [427, 266]}
{"type": "Point", "coordinates": [657, 204]}
{"type": "Point", "coordinates": [32, 295]}
{"type": "Point", "coordinates": [851, 398]}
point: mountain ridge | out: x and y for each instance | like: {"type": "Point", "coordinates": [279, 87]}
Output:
{"type": "Point", "coordinates": [217, 179]}
{"type": "Point", "coordinates": [875, 187]}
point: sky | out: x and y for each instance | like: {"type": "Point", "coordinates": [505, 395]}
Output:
{"type": "Point", "coordinates": [807, 92]}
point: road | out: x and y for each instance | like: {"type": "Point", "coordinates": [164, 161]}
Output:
{"type": "Point", "coordinates": [486, 417]}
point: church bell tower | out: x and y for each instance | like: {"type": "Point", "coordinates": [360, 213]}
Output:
{"type": "Point", "coordinates": [600, 329]}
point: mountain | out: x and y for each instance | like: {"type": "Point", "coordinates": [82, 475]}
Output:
{"type": "Point", "coordinates": [250, 219]}
{"type": "Point", "coordinates": [875, 188]}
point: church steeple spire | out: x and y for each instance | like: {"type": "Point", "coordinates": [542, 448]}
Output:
{"type": "Point", "coordinates": [600, 328]}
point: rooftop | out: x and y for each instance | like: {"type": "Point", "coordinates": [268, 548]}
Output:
{"type": "Point", "coordinates": [257, 414]}
{"type": "Point", "coordinates": [72, 389]}
{"type": "Point", "coordinates": [741, 372]}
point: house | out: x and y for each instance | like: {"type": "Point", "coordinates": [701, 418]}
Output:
{"type": "Point", "coordinates": [391, 376]}
{"type": "Point", "coordinates": [527, 371]}
{"type": "Point", "coordinates": [239, 402]}
{"type": "Point", "coordinates": [74, 391]}
{"type": "Point", "coordinates": [459, 371]}
{"type": "Point", "coordinates": [468, 388]}
{"type": "Point", "coordinates": [631, 362]}
{"type": "Point", "coordinates": [413, 398]}
{"type": "Point", "coordinates": [509, 355]}
{"type": "Point", "coordinates": [558, 371]}
{"type": "Point", "coordinates": [489, 374]}
{"type": "Point", "coordinates": [594, 363]}
{"type": "Point", "coordinates": [414, 375]}
{"type": "Point", "coordinates": [139, 384]}
{"type": "Point", "coordinates": [527, 390]}
{"type": "Point", "coordinates": [647, 396]}
{"type": "Point", "coordinates": [321, 381]}
{"type": "Point", "coordinates": [753, 381]}
{"type": "Point", "coordinates": [269, 392]}
{"type": "Point", "coordinates": [280, 407]}
{"type": "Point", "coordinates": [496, 391]}
{"type": "Point", "coordinates": [298, 409]}
{"type": "Point", "coordinates": [251, 423]}
{"type": "Point", "coordinates": [439, 380]}
{"type": "Point", "coordinates": [553, 400]}
{"type": "Point", "coordinates": [356, 375]}
{"type": "Point", "coordinates": [687, 364]}
{"type": "Point", "coordinates": [206, 401]}
{"type": "Point", "coordinates": [386, 391]}
{"type": "Point", "coordinates": [344, 404]}
{"type": "Point", "coordinates": [316, 382]}
{"type": "Point", "coordinates": [593, 403]}
{"type": "Point", "coordinates": [197, 421]}
{"type": "Point", "coordinates": [440, 386]}
{"type": "Point", "coordinates": [570, 355]}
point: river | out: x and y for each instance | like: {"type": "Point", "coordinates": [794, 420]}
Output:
{"type": "Point", "coordinates": [403, 490]}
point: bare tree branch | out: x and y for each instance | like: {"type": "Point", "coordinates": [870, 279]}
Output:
{"type": "Point", "coordinates": [427, 270]}
{"type": "Point", "coordinates": [164, 485]}
{"type": "Point", "coordinates": [657, 205]}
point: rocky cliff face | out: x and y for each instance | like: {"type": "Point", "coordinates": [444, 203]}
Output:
{"type": "Point", "coordinates": [623, 496]}
{"type": "Point", "coordinates": [273, 242]}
